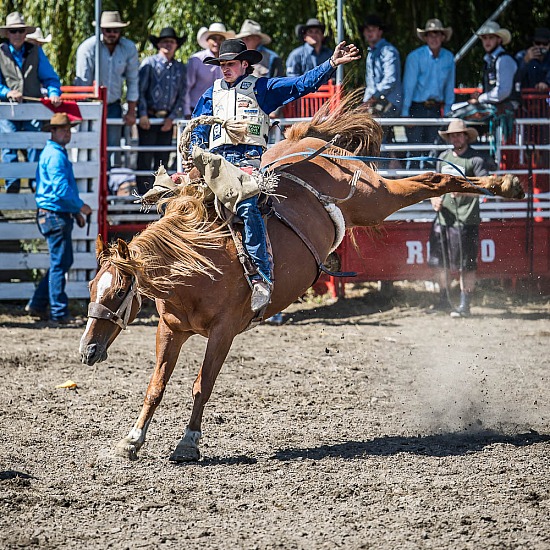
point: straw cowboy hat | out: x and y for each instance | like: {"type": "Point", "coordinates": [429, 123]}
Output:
{"type": "Point", "coordinates": [112, 20]}
{"type": "Point", "coordinates": [251, 28]}
{"type": "Point", "coordinates": [215, 28]}
{"type": "Point", "coordinates": [309, 24]}
{"type": "Point", "coordinates": [167, 32]}
{"type": "Point", "coordinates": [38, 37]}
{"type": "Point", "coordinates": [234, 48]}
{"type": "Point", "coordinates": [434, 25]}
{"type": "Point", "coordinates": [458, 126]}
{"type": "Point", "coordinates": [15, 21]}
{"type": "Point", "coordinates": [59, 119]}
{"type": "Point", "coordinates": [492, 27]}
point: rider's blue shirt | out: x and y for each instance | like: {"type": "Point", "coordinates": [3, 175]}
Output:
{"type": "Point", "coordinates": [271, 93]}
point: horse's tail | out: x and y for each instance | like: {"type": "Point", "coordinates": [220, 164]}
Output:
{"type": "Point", "coordinates": [358, 132]}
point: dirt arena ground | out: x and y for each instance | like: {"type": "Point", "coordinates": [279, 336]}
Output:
{"type": "Point", "coordinates": [357, 424]}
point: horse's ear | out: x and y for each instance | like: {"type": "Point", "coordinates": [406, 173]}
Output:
{"type": "Point", "coordinates": [101, 248]}
{"type": "Point", "coordinates": [123, 250]}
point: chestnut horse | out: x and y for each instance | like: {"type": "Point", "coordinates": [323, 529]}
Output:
{"type": "Point", "coordinates": [187, 262]}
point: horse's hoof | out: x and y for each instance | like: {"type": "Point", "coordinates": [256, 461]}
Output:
{"type": "Point", "coordinates": [185, 453]}
{"type": "Point", "coordinates": [126, 449]}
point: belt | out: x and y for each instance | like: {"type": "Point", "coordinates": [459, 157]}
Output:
{"type": "Point", "coordinates": [45, 211]}
{"type": "Point", "coordinates": [117, 102]}
{"type": "Point", "coordinates": [429, 103]}
{"type": "Point", "coordinates": [157, 114]}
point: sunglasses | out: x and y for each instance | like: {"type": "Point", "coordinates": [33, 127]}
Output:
{"type": "Point", "coordinates": [17, 31]}
{"type": "Point", "coordinates": [111, 31]}
{"type": "Point", "coordinates": [541, 43]}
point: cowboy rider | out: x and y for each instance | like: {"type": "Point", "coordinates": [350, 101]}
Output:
{"type": "Point", "coordinates": [240, 95]}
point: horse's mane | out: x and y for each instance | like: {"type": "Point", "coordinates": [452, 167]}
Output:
{"type": "Point", "coordinates": [358, 132]}
{"type": "Point", "coordinates": [171, 248]}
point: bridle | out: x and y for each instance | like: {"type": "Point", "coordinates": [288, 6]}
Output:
{"type": "Point", "coordinates": [122, 314]}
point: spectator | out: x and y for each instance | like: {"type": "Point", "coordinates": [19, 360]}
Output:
{"type": "Point", "coordinates": [122, 182]}
{"type": "Point", "coordinates": [243, 97]}
{"type": "Point", "coordinates": [24, 70]}
{"type": "Point", "coordinates": [429, 81]}
{"type": "Point", "coordinates": [162, 89]}
{"type": "Point", "coordinates": [455, 234]}
{"type": "Point", "coordinates": [271, 64]}
{"type": "Point", "coordinates": [383, 92]}
{"type": "Point", "coordinates": [58, 203]}
{"type": "Point", "coordinates": [534, 62]}
{"type": "Point", "coordinates": [200, 76]}
{"type": "Point", "coordinates": [498, 71]}
{"type": "Point", "coordinates": [118, 63]}
{"type": "Point", "coordinates": [37, 38]}
{"type": "Point", "coordinates": [312, 52]}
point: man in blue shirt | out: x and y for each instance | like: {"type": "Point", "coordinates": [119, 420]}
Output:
{"type": "Point", "coordinates": [534, 62]}
{"type": "Point", "coordinates": [383, 92]}
{"type": "Point", "coordinates": [312, 53]}
{"type": "Point", "coordinates": [24, 71]}
{"type": "Point", "coordinates": [58, 203]}
{"type": "Point", "coordinates": [429, 81]}
{"type": "Point", "coordinates": [241, 96]}
{"type": "Point", "coordinates": [162, 88]}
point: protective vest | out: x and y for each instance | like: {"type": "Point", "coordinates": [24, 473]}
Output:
{"type": "Point", "coordinates": [239, 103]}
{"type": "Point", "coordinates": [490, 79]}
{"type": "Point", "coordinates": [25, 81]}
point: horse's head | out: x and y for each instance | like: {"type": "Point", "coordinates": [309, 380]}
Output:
{"type": "Point", "coordinates": [114, 303]}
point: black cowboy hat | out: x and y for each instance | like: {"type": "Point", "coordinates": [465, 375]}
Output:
{"type": "Point", "coordinates": [310, 24]}
{"type": "Point", "coordinates": [373, 20]}
{"type": "Point", "coordinates": [234, 48]}
{"type": "Point", "coordinates": [167, 32]}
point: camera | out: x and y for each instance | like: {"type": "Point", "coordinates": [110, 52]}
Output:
{"type": "Point", "coordinates": [543, 51]}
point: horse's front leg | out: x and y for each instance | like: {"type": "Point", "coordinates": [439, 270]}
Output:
{"type": "Point", "coordinates": [169, 344]}
{"type": "Point", "coordinates": [219, 343]}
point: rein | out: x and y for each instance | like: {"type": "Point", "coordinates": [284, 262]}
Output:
{"type": "Point", "coordinates": [122, 314]}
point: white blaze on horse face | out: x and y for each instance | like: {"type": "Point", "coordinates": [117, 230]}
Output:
{"type": "Point", "coordinates": [103, 285]}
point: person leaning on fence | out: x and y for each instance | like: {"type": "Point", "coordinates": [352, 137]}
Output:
{"type": "Point", "coordinates": [534, 62]}
{"type": "Point", "coordinates": [428, 81]}
{"type": "Point", "coordinates": [454, 238]}
{"type": "Point", "coordinates": [162, 90]}
{"type": "Point", "coordinates": [58, 204]}
{"type": "Point", "coordinates": [200, 76]}
{"type": "Point", "coordinates": [118, 62]}
{"type": "Point", "coordinates": [499, 69]}
{"type": "Point", "coordinates": [24, 71]}
{"type": "Point", "coordinates": [241, 96]}
{"type": "Point", "coordinates": [383, 92]}
{"type": "Point", "coordinates": [312, 52]}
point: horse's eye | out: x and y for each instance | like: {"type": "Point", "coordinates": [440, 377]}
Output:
{"type": "Point", "coordinates": [121, 292]}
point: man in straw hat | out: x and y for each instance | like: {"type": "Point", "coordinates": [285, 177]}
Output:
{"type": "Point", "coordinates": [58, 204]}
{"type": "Point", "coordinates": [455, 234]}
{"type": "Point", "coordinates": [428, 81]}
{"type": "Point", "coordinates": [271, 64]}
{"type": "Point", "coordinates": [162, 89]}
{"type": "Point", "coordinates": [239, 96]}
{"type": "Point", "coordinates": [312, 52]}
{"type": "Point", "coordinates": [118, 63]}
{"type": "Point", "coordinates": [24, 72]}
{"type": "Point", "coordinates": [499, 69]}
{"type": "Point", "coordinates": [200, 76]}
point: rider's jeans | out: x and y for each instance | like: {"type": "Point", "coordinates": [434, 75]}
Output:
{"type": "Point", "coordinates": [56, 228]}
{"type": "Point", "coordinates": [254, 237]}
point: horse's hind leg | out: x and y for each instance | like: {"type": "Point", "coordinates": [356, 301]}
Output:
{"type": "Point", "coordinates": [169, 345]}
{"type": "Point", "coordinates": [219, 343]}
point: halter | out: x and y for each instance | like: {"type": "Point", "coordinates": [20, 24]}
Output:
{"type": "Point", "coordinates": [122, 314]}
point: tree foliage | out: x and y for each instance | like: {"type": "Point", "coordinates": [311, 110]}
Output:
{"type": "Point", "coordinates": [70, 22]}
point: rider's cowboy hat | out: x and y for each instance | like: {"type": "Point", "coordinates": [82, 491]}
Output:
{"type": "Point", "coordinates": [310, 24]}
{"type": "Point", "coordinates": [458, 126]}
{"type": "Point", "coordinates": [251, 28]}
{"type": "Point", "coordinates": [167, 32]}
{"type": "Point", "coordinates": [15, 21]}
{"type": "Point", "coordinates": [234, 48]}
{"type": "Point", "coordinates": [214, 29]}
{"type": "Point", "coordinates": [38, 37]}
{"type": "Point", "coordinates": [111, 20]}
{"type": "Point", "coordinates": [434, 25]}
{"type": "Point", "coordinates": [59, 119]}
{"type": "Point", "coordinates": [492, 27]}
